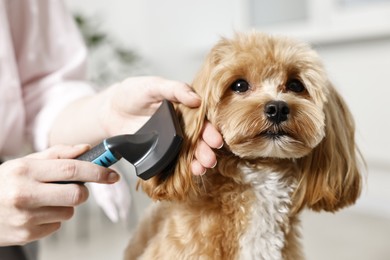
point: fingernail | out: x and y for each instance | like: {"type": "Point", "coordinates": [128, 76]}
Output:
{"type": "Point", "coordinates": [204, 172]}
{"type": "Point", "coordinates": [215, 164]}
{"type": "Point", "coordinates": [113, 177]}
{"type": "Point", "coordinates": [220, 146]}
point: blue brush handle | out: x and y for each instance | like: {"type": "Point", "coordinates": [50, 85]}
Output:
{"type": "Point", "coordinates": [99, 155]}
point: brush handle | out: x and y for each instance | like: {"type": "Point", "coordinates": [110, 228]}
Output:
{"type": "Point", "coordinates": [99, 155]}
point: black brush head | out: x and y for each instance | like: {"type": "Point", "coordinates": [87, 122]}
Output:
{"type": "Point", "coordinates": [162, 138]}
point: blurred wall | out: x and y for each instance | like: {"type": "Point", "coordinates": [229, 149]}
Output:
{"type": "Point", "coordinates": [173, 36]}
{"type": "Point", "coordinates": [360, 70]}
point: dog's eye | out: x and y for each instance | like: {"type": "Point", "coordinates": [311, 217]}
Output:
{"type": "Point", "coordinates": [240, 86]}
{"type": "Point", "coordinates": [295, 85]}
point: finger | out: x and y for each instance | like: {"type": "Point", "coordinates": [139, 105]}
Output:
{"type": "Point", "coordinates": [59, 195]}
{"type": "Point", "coordinates": [69, 170]}
{"type": "Point", "coordinates": [175, 91]}
{"type": "Point", "coordinates": [187, 96]}
{"type": "Point", "coordinates": [61, 152]}
{"type": "Point", "coordinates": [197, 168]}
{"type": "Point", "coordinates": [46, 215]}
{"type": "Point", "coordinates": [211, 136]}
{"type": "Point", "coordinates": [37, 232]}
{"type": "Point", "coordinates": [205, 155]}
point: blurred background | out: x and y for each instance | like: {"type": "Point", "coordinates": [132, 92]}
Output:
{"type": "Point", "coordinates": [170, 38]}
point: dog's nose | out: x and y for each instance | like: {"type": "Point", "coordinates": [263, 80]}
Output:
{"type": "Point", "coordinates": [277, 111]}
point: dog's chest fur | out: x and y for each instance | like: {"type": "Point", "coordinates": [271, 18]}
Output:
{"type": "Point", "coordinates": [243, 213]}
{"type": "Point", "coordinates": [269, 215]}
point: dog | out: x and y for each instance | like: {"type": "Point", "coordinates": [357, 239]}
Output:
{"type": "Point", "coordinates": [288, 145]}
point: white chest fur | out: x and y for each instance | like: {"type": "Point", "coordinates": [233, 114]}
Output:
{"type": "Point", "coordinates": [264, 238]}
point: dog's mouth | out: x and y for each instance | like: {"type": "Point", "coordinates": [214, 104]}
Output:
{"type": "Point", "coordinates": [273, 134]}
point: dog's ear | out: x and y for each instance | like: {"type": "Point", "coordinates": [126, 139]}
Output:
{"type": "Point", "coordinates": [330, 177]}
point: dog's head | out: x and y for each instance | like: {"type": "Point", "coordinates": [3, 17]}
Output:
{"type": "Point", "coordinates": [271, 98]}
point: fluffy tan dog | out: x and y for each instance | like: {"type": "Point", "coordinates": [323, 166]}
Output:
{"type": "Point", "coordinates": [288, 145]}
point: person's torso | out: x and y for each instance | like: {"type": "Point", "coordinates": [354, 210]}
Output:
{"type": "Point", "coordinates": [12, 114]}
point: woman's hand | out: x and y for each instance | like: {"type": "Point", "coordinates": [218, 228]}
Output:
{"type": "Point", "coordinates": [132, 102]}
{"type": "Point", "coordinates": [32, 204]}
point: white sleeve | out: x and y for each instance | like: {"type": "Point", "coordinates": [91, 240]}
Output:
{"type": "Point", "coordinates": [67, 91]}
